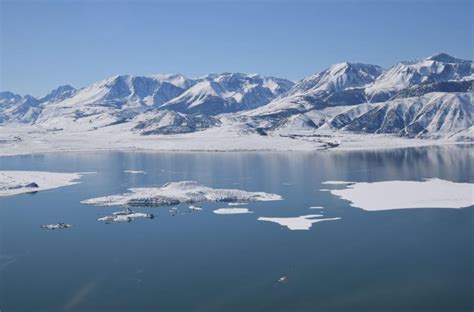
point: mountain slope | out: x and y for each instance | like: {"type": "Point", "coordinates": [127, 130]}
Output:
{"type": "Point", "coordinates": [17, 109]}
{"type": "Point", "coordinates": [170, 122]}
{"type": "Point", "coordinates": [432, 115]}
{"type": "Point", "coordinates": [340, 84]}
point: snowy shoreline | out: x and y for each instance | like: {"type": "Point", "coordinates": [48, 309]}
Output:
{"type": "Point", "coordinates": [35, 140]}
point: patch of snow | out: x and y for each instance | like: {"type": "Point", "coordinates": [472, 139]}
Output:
{"type": "Point", "coordinates": [18, 182]}
{"type": "Point", "coordinates": [298, 223]}
{"type": "Point", "coordinates": [386, 195]}
{"type": "Point", "coordinates": [232, 211]}
{"type": "Point", "coordinates": [175, 193]}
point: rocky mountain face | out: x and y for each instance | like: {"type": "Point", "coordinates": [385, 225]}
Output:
{"type": "Point", "coordinates": [171, 122]}
{"type": "Point", "coordinates": [429, 98]}
{"type": "Point", "coordinates": [432, 115]}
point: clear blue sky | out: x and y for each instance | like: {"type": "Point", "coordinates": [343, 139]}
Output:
{"type": "Point", "coordinates": [45, 44]}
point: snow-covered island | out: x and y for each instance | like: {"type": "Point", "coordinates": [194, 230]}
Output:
{"type": "Point", "coordinates": [387, 195]}
{"type": "Point", "coordinates": [127, 215]}
{"type": "Point", "coordinates": [18, 182]}
{"type": "Point", "coordinates": [56, 226]}
{"type": "Point", "coordinates": [175, 193]}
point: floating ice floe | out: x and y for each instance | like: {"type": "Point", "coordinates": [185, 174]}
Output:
{"type": "Point", "coordinates": [112, 218]}
{"type": "Point", "coordinates": [175, 193]}
{"type": "Point", "coordinates": [125, 216]}
{"type": "Point", "coordinates": [298, 223]}
{"type": "Point", "coordinates": [386, 195]}
{"type": "Point", "coordinates": [236, 204]}
{"type": "Point", "coordinates": [18, 182]}
{"type": "Point", "coordinates": [337, 182]}
{"type": "Point", "coordinates": [195, 208]}
{"type": "Point", "coordinates": [134, 171]}
{"type": "Point", "coordinates": [56, 226]}
{"type": "Point", "coordinates": [316, 207]}
{"type": "Point", "coordinates": [227, 211]}
{"type": "Point", "coordinates": [282, 279]}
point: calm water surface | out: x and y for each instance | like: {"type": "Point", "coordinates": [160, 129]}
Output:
{"type": "Point", "coordinates": [399, 260]}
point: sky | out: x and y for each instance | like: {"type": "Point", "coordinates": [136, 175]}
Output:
{"type": "Point", "coordinates": [48, 43]}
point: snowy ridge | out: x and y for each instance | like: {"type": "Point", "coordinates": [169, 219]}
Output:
{"type": "Point", "coordinates": [228, 92]}
{"type": "Point", "coordinates": [440, 67]}
{"type": "Point", "coordinates": [338, 77]}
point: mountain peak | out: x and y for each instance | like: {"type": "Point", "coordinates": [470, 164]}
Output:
{"type": "Point", "coordinates": [7, 95]}
{"type": "Point", "coordinates": [445, 58]}
{"type": "Point", "coordinates": [348, 66]}
{"type": "Point", "coordinates": [64, 88]}
{"type": "Point", "coordinates": [338, 77]}
{"type": "Point", "coordinates": [59, 94]}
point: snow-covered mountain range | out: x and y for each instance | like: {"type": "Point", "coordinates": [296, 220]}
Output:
{"type": "Point", "coordinates": [428, 98]}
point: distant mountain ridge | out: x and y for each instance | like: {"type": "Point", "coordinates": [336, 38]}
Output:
{"type": "Point", "coordinates": [429, 98]}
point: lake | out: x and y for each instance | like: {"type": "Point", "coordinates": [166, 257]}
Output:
{"type": "Point", "coordinates": [395, 260]}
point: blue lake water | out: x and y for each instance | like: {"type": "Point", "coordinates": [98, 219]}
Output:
{"type": "Point", "coordinates": [398, 260]}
